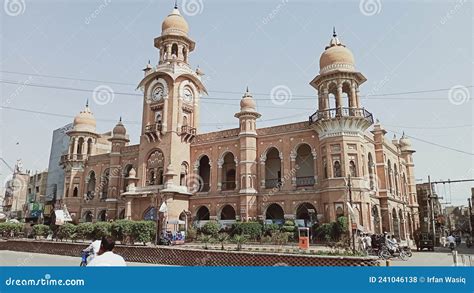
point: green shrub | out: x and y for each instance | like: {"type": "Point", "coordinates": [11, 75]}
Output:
{"type": "Point", "coordinates": [206, 239]}
{"type": "Point", "coordinates": [11, 229]}
{"type": "Point", "coordinates": [85, 230]}
{"type": "Point", "coordinates": [191, 234]}
{"type": "Point", "coordinates": [270, 229]}
{"type": "Point", "coordinates": [211, 228]}
{"type": "Point", "coordinates": [222, 238]}
{"type": "Point", "coordinates": [143, 231]}
{"type": "Point", "coordinates": [251, 229]}
{"type": "Point", "coordinates": [67, 231]}
{"type": "Point", "coordinates": [280, 238]}
{"type": "Point", "coordinates": [102, 229]}
{"type": "Point", "coordinates": [122, 229]}
{"type": "Point", "coordinates": [40, 230]}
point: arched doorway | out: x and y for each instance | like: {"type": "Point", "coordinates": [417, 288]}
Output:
{"type": "Point", "coordinates": [202, 216]}
{"type": "Point", "coordinates": [273, 169]}
{"type": "Point", "coordinates": [305, 162]}
{"type": "Point", "coordinates": [227, 213]}
{"type": "Point", "coordinates": [122, 214]}
{"type": "Point", "coordinates": [306, 215]}
{"type": "Point", "coordinates": [275, 214]}
{"type": "Point", "coordinates": [396, 224]}
{"type": "Point", "coordinates": [87, 216]}
{"type": "Point", "coordinates": [376, 219]}
{"type": "Point", "coordinates": [228, 172]}
{"type": "Point", "coordinates": [205, 174]}
{"type": "Point", "coordinates": [402, 224]}
{"type": "Point", "coordinates": [102, 216]}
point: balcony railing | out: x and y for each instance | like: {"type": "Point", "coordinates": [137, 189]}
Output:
{"type": "Point", "coordinates": [72, 157]}
{"type": "Point", "coordinates": [305, 181]}
{"type": "Point", "coordinates": [341, 112]}
{"type": "Point", "coordinates": [155, 127]}
{"type": "Point", "coordinates": [188, 133]}
{"type": "Point", "coordinates": [204, 187]}
{"type": "Point", "coordinates": [228, 185]}
{"type": "Point", "coordinates": [272, 183]}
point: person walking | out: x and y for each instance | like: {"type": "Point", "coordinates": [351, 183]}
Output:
{"type": "Point", "coordinates": [106, 256]}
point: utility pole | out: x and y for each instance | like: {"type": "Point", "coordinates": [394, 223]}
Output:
{"type": "Point", "coordinates": [349, 185]}
{"type": "Point", "coordinates": [470, 216]}
{"type": "Point", "coordinates": [431, 197]}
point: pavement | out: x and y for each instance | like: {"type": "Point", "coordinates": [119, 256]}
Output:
{"type": "Point", "coordinates": [17, 258]}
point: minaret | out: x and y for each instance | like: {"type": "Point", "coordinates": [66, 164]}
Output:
{"type": "Point", "coordinates": [248, 116]}
{"type": "Point", "coordinates": [118, 140]}
{"type": "Point", "coordinates": [340, 122]}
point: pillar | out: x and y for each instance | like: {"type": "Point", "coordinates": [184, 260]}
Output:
{"type": "Point", "coordinates": [262, 173]}
{"type": "Point", "coordinates": [128, 209]}
{"type": "Point", "coordinates": [165, 114]}
{"type": "Point", "coordinates": [315, 167]}
{"type": "Point", "coordinates": [292, 167]}
{"type": "Point", "coordinates": [220, 162]}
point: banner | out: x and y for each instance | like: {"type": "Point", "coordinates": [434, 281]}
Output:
{"type": "Point", "coordinates": [237, 279]}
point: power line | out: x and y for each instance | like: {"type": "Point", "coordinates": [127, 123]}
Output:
{"type": "Point", "coordinates": [293, 97]}
{"type": "Point", "coordinates": [431, 127]}
{"type": "Point", "coordinates": [435, 144]}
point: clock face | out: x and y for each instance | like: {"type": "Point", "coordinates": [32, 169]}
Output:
{"type": "Point", "coordinates": [158, 93]}
{"type": "Point", "coordinates": [188, 94]}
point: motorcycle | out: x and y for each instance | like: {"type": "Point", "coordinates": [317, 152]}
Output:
{"type": "Point", "coordinates": [386, 253]}
{"type": "Point", "coordinates": [84, 256]}
{"type": "Point", "coordinates": [407, 250]}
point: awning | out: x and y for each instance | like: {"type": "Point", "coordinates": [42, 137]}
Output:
{"type": "Point", "coordinates": [62, 216]}
{"type": "Point", "coordinates": [176, 222]}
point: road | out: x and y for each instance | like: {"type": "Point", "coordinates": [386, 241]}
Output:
{"type": "Point", "coordinates": [440, 257]}
{"type": "Point", "coordinates": [16, 258]}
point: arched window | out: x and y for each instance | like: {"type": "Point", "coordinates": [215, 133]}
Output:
{"type": "Point", "coordinates": [102, 216]}
{"type": "Point", "coordinates": [154, 168]}
{"type": "Point", "coordinates": [89, 146]}
{"type": "Point", "coordinates": [371, 166]}
{"type": "Point", "coordinates": [204, 172]}
{"type": "Point", "coordinates": [126, 174]}
{"type": "Point", "coordinates": [275, 213]}
{"type": "Point", "coordinates": [273, 168]}
{"type": "Point", "coordinates": [183, 174]}
{"type": "Point", "coordinates": [105, 183]}
{"type": "Point", "coordinates": [352, 168]}
{"type": "Point", "coordinates": [227, 213]}
{"type": "Point", "coordinates": [87, 216]}
{"type": "Point", "coordinates": [73, 143]}
{"type": "Point", "coordinates": [80, 145]}
{"type": "Point", "coordinates": [305, 163]}
{"type": "Point", "coordinates": [91, 182]}
{"type": "Point", "coordinates": [185, 120]}
{"type": "Point", "coordinates": [202, 214]}
{"type": "Point", "coordinates": [390, 175]}
{"type": "Point", "coordinates": [174, 50]}
{"type": "Point", "coordinates": [337, 169]}
{"type": "Point", "coordinates": [306, 212]}
{"type": "Point", "coordinates": [228, 172]}
{"type": "Point", "coordinates": [75, 192]}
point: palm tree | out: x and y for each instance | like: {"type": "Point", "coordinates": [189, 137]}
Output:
{"type": "Point", "coordinates": [205, 239]}
{"type": "Point", "coordinates": [222, 238]}
{"type": "Point", "coordinates": [239, 240]}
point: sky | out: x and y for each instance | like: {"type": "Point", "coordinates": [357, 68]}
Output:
{"type": "Point", "coordinates": [416, 55]}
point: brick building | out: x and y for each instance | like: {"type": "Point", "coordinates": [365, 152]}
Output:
{"type": "Point", "coordinates": [294, 171]}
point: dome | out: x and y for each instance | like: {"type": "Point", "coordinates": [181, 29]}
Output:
{"type": "Point", "coordinates": [119, 129]}
{"type": "Point", "coordinates": [336, 56]}
{"type": "Point", "coordinates": [174, 24]}
{"type": "Point", "coordinates": [405, 142]}
{"type": "Point", "coordinates": [85, 121]}
{"type": "Point", "coordinates": [247, 104]}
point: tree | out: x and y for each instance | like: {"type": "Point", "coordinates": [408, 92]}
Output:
{"type": "Point", "coordinates": [240, 240]}
{"type": "Point", "coordinates": [222, 238]}
{"type": "Point", "coordinates": [205, 239]}
{"type": "Point", "coordinates": [211, 228]}
{"type": "Point", "coordinates": [144, 231]}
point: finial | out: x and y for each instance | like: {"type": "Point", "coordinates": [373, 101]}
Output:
{"type": "Point", "coordinates": [149, 61]}
{"type": "Point", "coordinates": [120, 120]}
{"type": "Point", "coordinates": [87, 103]}
{"type": "Point", "coordinates": [175, 4]}
{"type": "Point", "coordinates": [334, 31]}
{"type": "Point", "coordinates": [247, 90]}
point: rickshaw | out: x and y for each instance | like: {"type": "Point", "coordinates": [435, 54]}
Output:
{"type": "Point", "coordinates": [425, 240]}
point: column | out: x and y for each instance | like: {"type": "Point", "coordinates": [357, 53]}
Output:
{"type": "Point", "coordinates": [339, 99]}
{"type": "Point", "coordinates": [128, 209]}
{"type": "Point", "coordinates": [180, 112]}
{"type": "Point", "coordinates": [220, 162]}
{"type": "Point", "coordinates": [293, 169]}
{"type": "Point", "coordinates": [357, 98]}
{"type": "Point", "coordinates": [262, 173]}
{"type": "Point", "coordinates": [315, 167]}
{"type": "Point", "coordinates": [353, 100]}
{"type": "Point", "coordinates": [165, 114]}
{"type": "Point", "coordinates": [237, 172]}
{"type": "Point", "coordinates": [75, 147]}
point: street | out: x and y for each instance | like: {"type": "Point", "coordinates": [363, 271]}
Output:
{"type": "Point", "coordinates": [16, 258]}
{"type": "Point", "coordinates": [442, 256]}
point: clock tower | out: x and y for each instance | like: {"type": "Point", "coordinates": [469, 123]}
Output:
{"type": "Point", "coordinates": [171, 93]}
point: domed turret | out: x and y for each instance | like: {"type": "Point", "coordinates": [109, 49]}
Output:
{"type": "Point", "coordinates": [247, 104]}
{"type": "Point", "coordinates": [85, 120]}
{"type": "Point", "coordinates": [174, 24]}
{"type": "Point", "coordinates": [336, 57]}
{"type": "Point", "coordinates": [119, 132]}
{"type": "Point", "coordinates": [405, 143]}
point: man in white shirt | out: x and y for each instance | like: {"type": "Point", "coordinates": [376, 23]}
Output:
{"type": "Point", "coordinates": [93, 248]}
{"type": "Point", "coordinates": [106, 257]}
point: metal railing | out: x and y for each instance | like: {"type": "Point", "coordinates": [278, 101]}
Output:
{"type": "Point", "coordinates": [188, 130]}
{"type": "Point", "coordinates": [73, 157]}
{"type": "Point", "coordinates": [341, 112]}
{"type": "Point", "coordinates": [272, 183]}
{"type": "Point", "coordinates": [305, 181]}
{"type": "Point", "coordinates": [155, 127]}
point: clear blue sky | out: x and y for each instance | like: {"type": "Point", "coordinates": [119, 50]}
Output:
{"type": "Point", "coordinates": [404, 46]}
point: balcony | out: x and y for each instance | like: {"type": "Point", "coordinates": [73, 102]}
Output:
{"type": "Point", "coordinates": [72, 157]}
{"type": "Point", "coordinates": [336, 113]}
{"type": "Point", "coordinates": [305, 181]}
{"type": "Point", "coordinates": [273, 183]}
{"type": "Point", "coordinates": [188, 133]}
{"type": "Point", "coordinates": [153, 132]}
{"type": "Point", "coordinates": [228, 185]}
